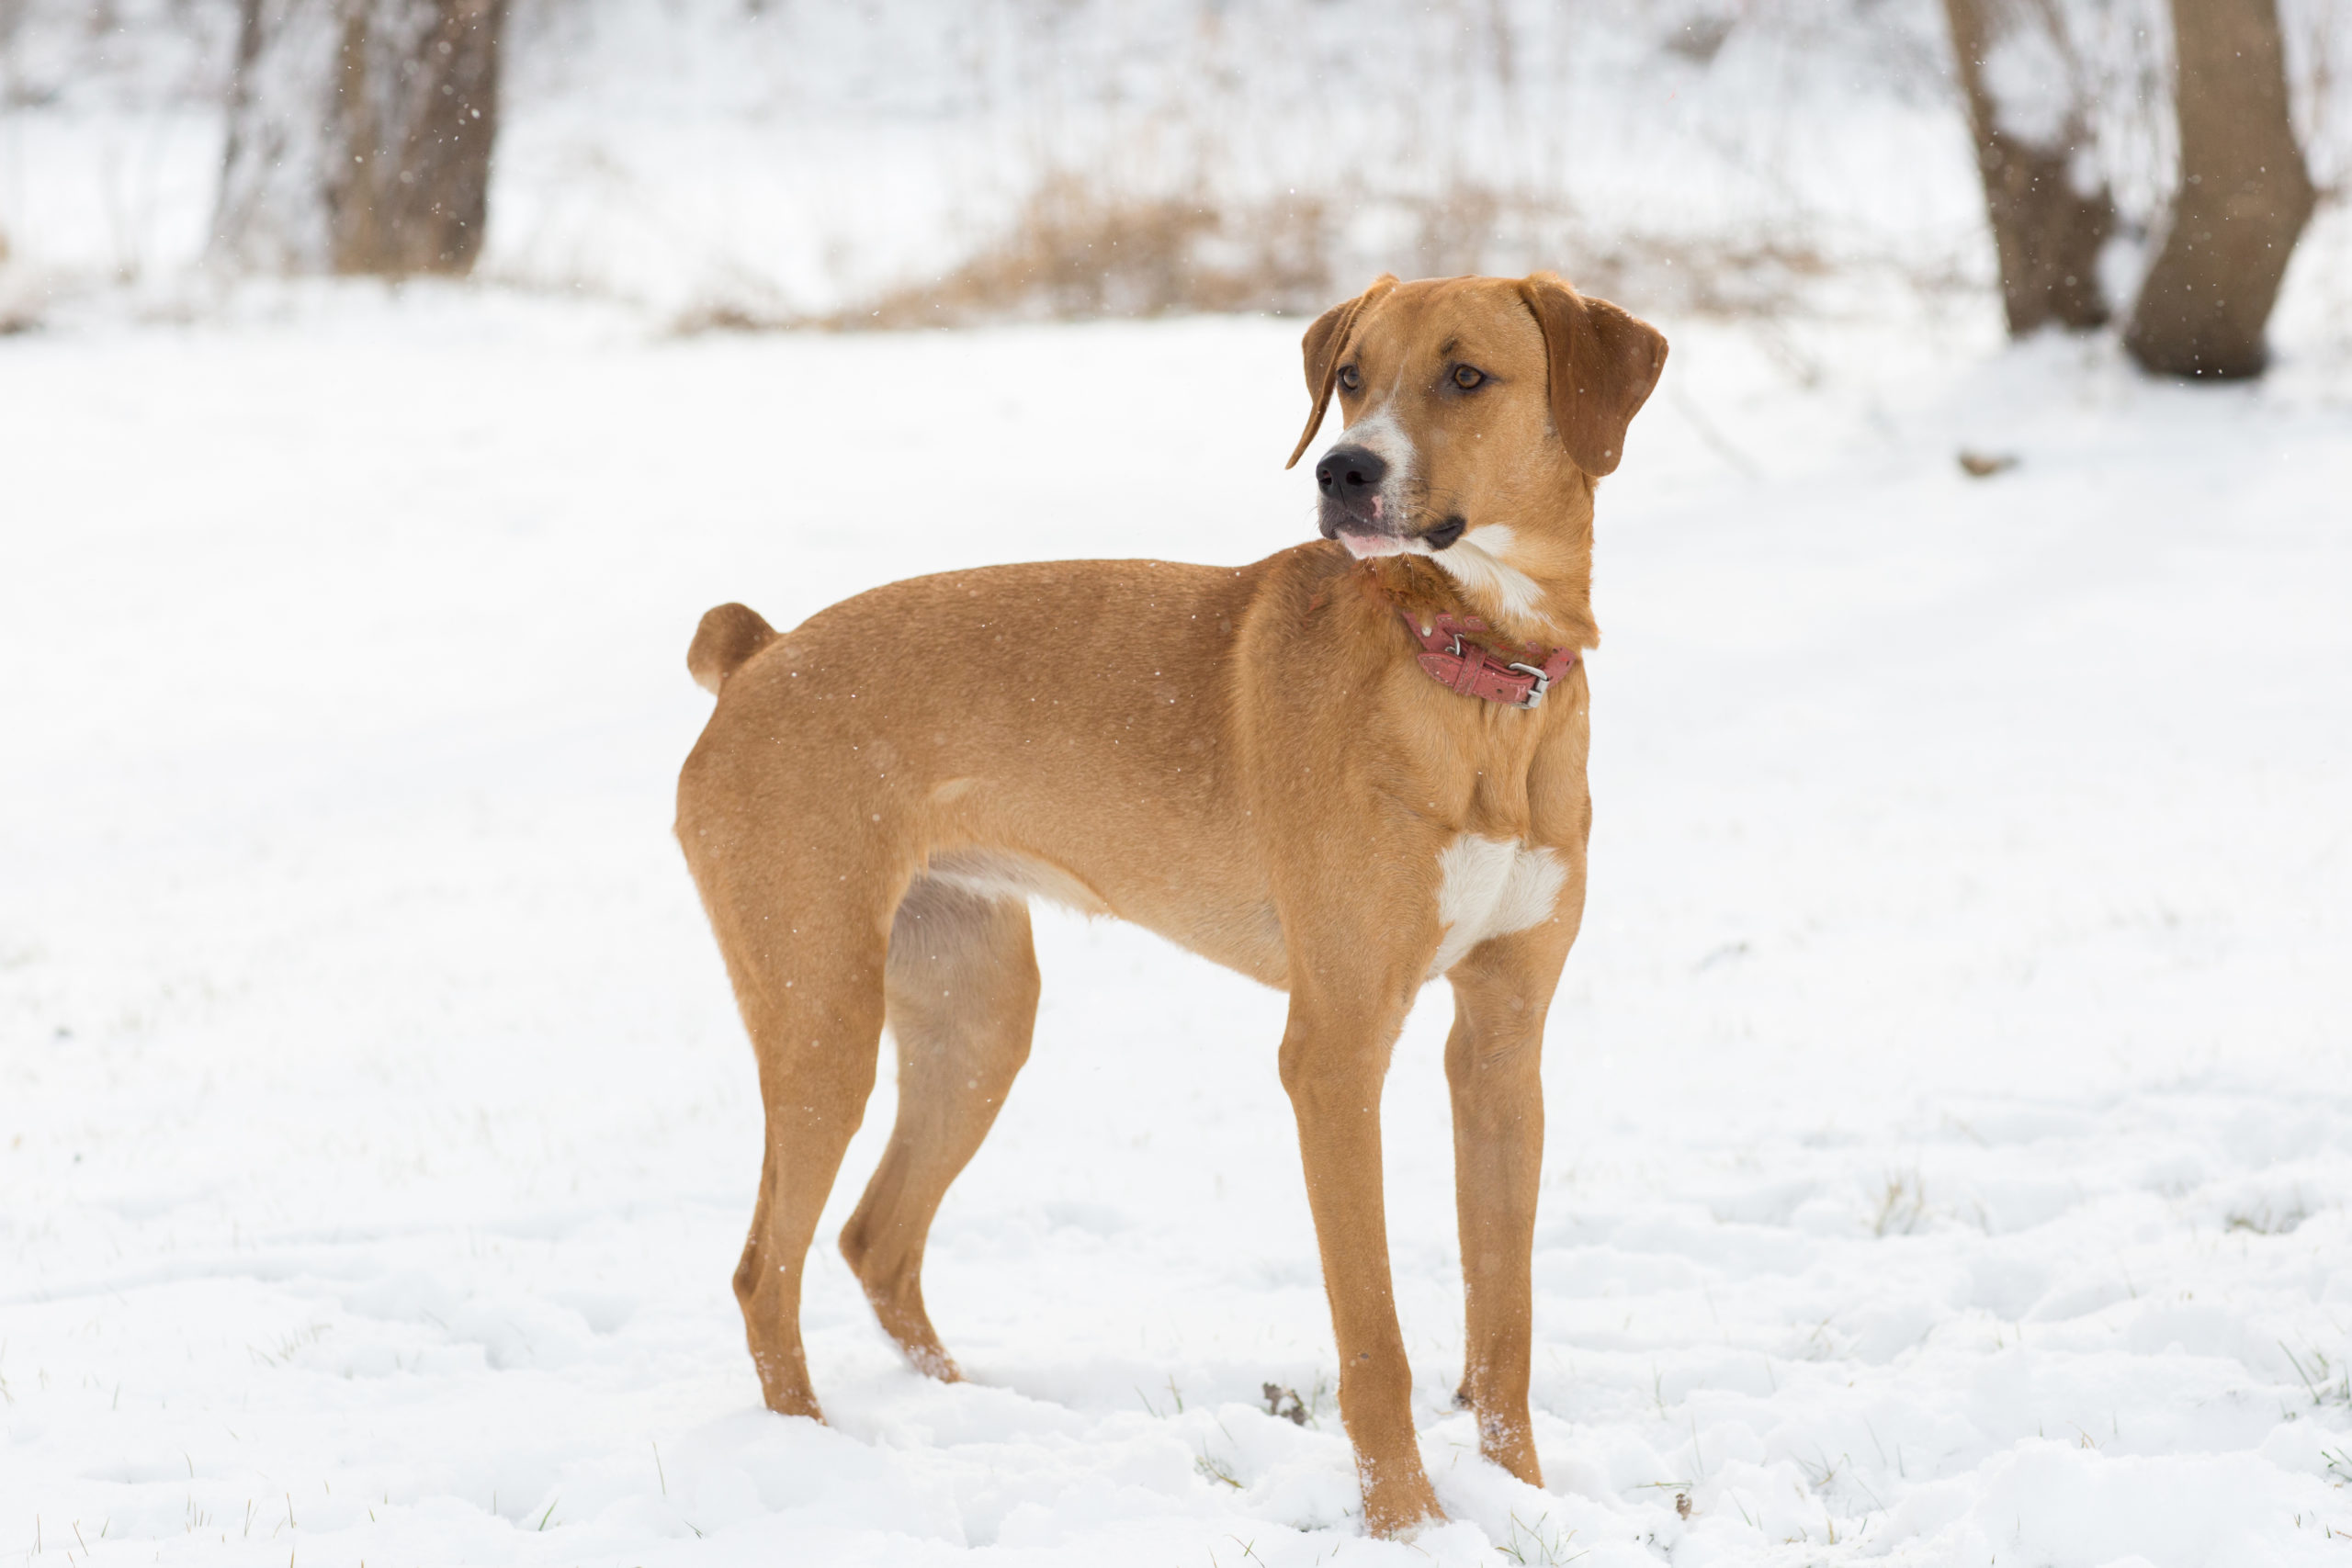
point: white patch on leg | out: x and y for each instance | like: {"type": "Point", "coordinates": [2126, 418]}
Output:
{"type": "Point", "coordinates": [1480, 561]}
{"type": "Point", "coordinates": [1490, 888]}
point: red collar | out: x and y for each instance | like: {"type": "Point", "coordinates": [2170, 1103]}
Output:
{"type": "Point", "coordinates": [1473, 670]}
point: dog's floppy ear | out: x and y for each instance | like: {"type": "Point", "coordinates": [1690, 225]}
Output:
{"type": "Point", "coordinates": [1325, 344]}
{"type": "Point", "coordinates": [1603, 365]}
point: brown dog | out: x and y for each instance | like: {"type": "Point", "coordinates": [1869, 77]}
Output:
{"type": "Point", "coordinates": [1344, 770]}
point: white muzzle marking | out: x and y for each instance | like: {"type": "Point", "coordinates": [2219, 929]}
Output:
{"type": "Point", "coordinates": [1384, 439]}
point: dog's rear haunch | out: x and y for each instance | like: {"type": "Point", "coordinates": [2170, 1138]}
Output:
{"type": "Point", "coordinates": [1344, 770]}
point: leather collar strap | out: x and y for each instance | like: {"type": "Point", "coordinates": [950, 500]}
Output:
{"type": "Point", "coordinates": [1473, 670]}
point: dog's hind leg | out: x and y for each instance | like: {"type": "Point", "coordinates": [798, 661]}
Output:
{"type": "Point", "coordinates": [962, 983]}
{"type": "Point", "coordinates": [805, 939]}
{"type": "Point", "coordinates": [816, 1051]}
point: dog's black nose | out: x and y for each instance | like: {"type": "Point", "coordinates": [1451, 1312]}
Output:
{"type": "Point", "coordinates": [1350, 473]}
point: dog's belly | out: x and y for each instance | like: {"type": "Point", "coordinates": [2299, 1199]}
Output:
{"type": "Point", "coordinates": [1007, 874]}
{"type": "Point", "coordinates": [1220, 923]}
{"type": "Point", "coordinates": [1492, 887]}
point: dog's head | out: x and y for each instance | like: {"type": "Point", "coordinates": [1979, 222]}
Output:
{"type": "Point", "coordinates": [1471, 405]}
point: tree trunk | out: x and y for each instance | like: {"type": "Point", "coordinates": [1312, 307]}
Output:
{"type": "Point", "coordinates": [360, 135]}
{"type": "Point", "coordinates": [2245, 195]}
{"type": "Point", "coordinates": [2050, 218]}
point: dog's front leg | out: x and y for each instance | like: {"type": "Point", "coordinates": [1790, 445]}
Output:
{"type": "Point", "coordinates": [1492, 1065]}
{"type": "Point", "coordinates": [1334, 1055]}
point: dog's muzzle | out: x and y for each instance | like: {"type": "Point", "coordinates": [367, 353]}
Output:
{"type": "Point", "coordinates": [1351, 478]}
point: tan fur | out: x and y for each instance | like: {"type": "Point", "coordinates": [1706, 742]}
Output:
{"type": "Point", "coordinates": [1247, 760]}
{"type": "Point", "coordinates": [728, 635]}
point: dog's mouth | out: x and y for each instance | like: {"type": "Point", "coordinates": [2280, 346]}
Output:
{"type": "Point", "coordinates": [1364, 537]}
{"type": "Point", "coordinates": [1448, 529]}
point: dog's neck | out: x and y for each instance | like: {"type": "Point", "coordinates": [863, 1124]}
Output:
{"type": "Point", "coordinates": [1531, 588]}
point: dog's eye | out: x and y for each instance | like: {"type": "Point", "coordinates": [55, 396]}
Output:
{"type": "Point", "coordinates": [1466, 376]}
{"type": "Point", "coordinates": [1349, 380]}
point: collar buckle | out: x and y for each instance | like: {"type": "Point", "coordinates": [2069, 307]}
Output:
{"type": "Point", "coordinates": [1472, 669]}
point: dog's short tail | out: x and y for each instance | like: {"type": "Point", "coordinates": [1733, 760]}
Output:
{"type": "Point", "coordinates": [728, 635]}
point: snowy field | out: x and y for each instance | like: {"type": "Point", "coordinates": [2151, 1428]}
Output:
{"type": "Point", "coordinates": [1949, 1102]}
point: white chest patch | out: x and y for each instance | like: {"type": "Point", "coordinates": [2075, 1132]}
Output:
{"type": "Point", "coordinates": [1492, 887]}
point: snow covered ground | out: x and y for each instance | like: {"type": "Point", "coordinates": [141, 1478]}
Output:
{"type": "Point", "coordinates": [1952, 1118]}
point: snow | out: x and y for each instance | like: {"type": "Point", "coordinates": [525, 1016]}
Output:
{"type": "Point", "coordinates": [1948, 1097]}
